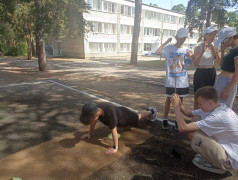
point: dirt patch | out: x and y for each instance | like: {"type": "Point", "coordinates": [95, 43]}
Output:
{"type": "Point", "coordinates": [166, 155]}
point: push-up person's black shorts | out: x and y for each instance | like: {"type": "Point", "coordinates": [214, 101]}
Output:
{"type": "Point", "coordinates": [127, 117]}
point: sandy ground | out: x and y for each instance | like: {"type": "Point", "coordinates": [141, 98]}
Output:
{"type": "Point", "coordinates": [39, 137]}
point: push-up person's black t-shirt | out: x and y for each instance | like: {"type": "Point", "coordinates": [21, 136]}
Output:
{"type": "Point", "coordinates": [117, 116]}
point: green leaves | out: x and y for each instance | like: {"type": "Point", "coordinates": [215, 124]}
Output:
{"type": "Point", "coordinates": [201, 12]}
{"type": "Point", "coordinates": [57, 18]}
{"type": "Point", "coordinates": [179, 8]}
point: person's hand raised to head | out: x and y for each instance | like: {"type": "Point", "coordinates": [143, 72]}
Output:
{"type": "Point", "coordinates": [205, 46]}
{"type": "Point", "coordinates": [169, 40]}
{"type": "Point", "coordinates": [175, 100]}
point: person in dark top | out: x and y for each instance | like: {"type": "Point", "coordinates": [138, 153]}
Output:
{"type": "Point", "coordinates": [113, 117]}
{"type": "Point", "coordinates": [226, 82]}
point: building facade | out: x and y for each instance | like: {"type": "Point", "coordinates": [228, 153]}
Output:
{"type": "Point", "coordinates": [110, 29]}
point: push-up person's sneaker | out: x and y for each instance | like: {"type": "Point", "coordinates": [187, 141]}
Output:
{"type": "Point", "coordinates": [202, 163]}
{"type": "Point", "coordinates": [153, 116]}
{"type": "Point", "coordinates": [165, 124]}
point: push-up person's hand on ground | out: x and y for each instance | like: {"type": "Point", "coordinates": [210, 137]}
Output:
{"type": "Point", "coordinates": [110, 151]}
{"type": "Point", "coordinates": [85, 136]}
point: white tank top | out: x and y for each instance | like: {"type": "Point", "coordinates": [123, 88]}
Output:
{"type": "Point", "coordinates": [207, 58]}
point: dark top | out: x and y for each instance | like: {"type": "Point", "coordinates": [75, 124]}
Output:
{"type": "Point", "coordinates": [228, 63]}
{"type": "Point", "coordinates": [117, 116]}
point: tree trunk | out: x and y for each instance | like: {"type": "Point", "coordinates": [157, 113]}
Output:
{"type": "Point", "coordinates": [40, 46]}
{"type": "Point", "coordinates": [136, 31]}
{"type": "Point", "coordinates": [29, 48]}
{"type": "Point", "coordinates": [33, 48]}
{"type": "Point", "coordinates": [40, 37]}
{"type": "Point", "coordinates": [209, 13]}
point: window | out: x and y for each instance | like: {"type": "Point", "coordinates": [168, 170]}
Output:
{"type": "Point", "coordinates": [96, 27]}
{"type": "Point", "coordinates": [133, 11]}
{"type": "Point", "coordinates": [147, 47]}
{"type": "Point", "coordinates": [126, 29]}
{"type": "Point", "coordinates": [166, 32]}
{"type": "Point", "coordinates": [181, 20]}
{"type": "Point", "coordinates": [172, 33]}
{"type": "Point", "coordinates": [152, 32]}
{"type": "Point", "coordinates": [99, 5]}
{"type": "Point", "coordinates": [109, 7]}
{"type": "Point", "coordinates": [127, 10]}
{"type": "Point", "coordinates": [173, 19]}
{"type": "Point", "coordinates": [167, 18]}
{"type": "Point", "coordinates": [157, 32]}
{"type": "Point", "coordinates": [96, 4]}
{"type": "Point", "coordinates": [159, 17]}
{"type": "Point", "coordinates": [105, 6]}
{"type": "Point", "coordinates": [95, 47]}
{"type": "Point", "coordinates": [109, 28]}
{"type": "Point", "coordinates": [114, 8]}
{"type": "Point", "coordinates": [110, 47]}
{"type": "Point", "coordinates": [125, 47]}
{"type": "Point", "coordinates": [90, 2]}
{"type": "Point", "coordinates": [123, 10]}
{"type": "Point", "coordinates": [154, 16]}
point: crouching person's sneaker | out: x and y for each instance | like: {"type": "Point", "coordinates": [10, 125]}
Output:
{"type": "Point", "coordinates": [176, 126]}
{"type": "Point", "coordinates": [153, 116]}
{"type": "Point", "coordinates": [165, 124]}
{"type": "Point", "coordinates": [202, 163]}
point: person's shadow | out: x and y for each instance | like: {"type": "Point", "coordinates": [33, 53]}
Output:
{"type": "Point", "coordinates": [95, 139]}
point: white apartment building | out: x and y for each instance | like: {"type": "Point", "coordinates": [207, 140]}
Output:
{"type": "Point", "coordinates": [111, 29]}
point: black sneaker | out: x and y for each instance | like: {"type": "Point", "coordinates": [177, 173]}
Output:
{"type": "Point", "coordinates": [165, 124]}
{"type": "Point", "coordinates": [176, 126]}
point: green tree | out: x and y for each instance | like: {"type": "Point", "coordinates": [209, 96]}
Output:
{"type": "Point", "coordinates": [232, 19]}
{"type": "Point", "coordinates": [200, 13]}
{"type": "Point", "coordinates": [56, 18]}
{"type": "Point", "coordinates": [11, 40]}
{"type": "Point", "coordinates": [179, 8]}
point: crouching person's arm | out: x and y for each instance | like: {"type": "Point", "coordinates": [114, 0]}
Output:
{"type": "Point", "coordinates": [182, 125]}
{"type": "Point", "coordinates": [114, 148]}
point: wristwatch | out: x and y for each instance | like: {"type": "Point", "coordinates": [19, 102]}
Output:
{"type": "Point", "coordinates": [115, 147]}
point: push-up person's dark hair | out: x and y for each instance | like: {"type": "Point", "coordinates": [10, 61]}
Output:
{"type": "Point", "coordinates": [88, 112]}
{"type": "Point", "coordinates": [207, 93]}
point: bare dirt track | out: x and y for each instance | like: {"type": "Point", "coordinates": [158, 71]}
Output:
{"type": "Point", "coordinates": [35, 110]}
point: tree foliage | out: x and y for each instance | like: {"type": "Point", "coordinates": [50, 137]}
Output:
{"type": "Point", "coordinates": [179, 8]}
{"type": "Point", "coordinates": [231, 19]}
{"type": "Point", "coordinates": [20, 19]}
{"type": "Point", "coordinates": [200, 13]}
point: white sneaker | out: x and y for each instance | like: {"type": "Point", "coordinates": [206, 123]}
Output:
{"type": "Point", "coordinates": [202, 163]}
{"type": "Point", "coordinates": [198, 156]}
{"type": "Point", "coordinates": [153, 116]}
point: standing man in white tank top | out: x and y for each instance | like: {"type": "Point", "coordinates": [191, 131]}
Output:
{"type": "Point", "coordinates": [204, 57]}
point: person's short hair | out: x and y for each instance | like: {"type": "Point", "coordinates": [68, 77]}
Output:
{"type": "Point", "coordinates": [207, 93]}
{"type": "Point", "coordinates": [88, 112]}
{"type": "Point", "coordinates": [236, 36]}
